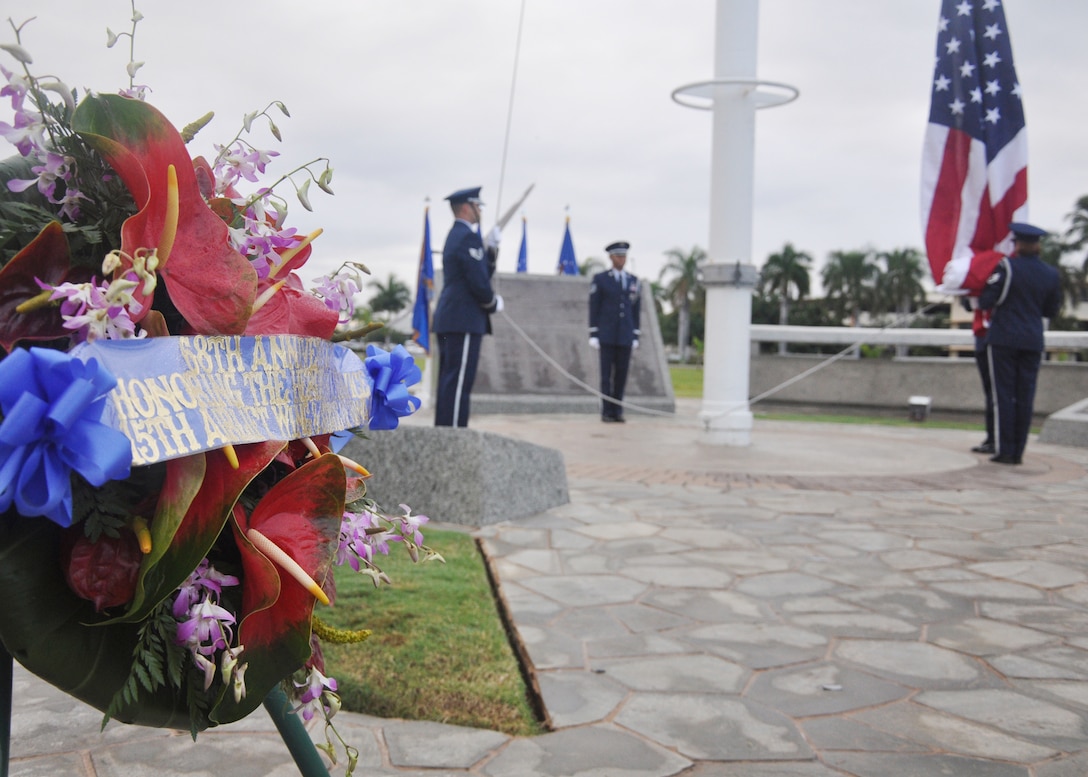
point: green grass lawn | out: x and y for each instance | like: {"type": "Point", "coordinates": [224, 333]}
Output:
{"type": "Point", "coordinates": [687, 380]}
{"type": "Point", "coordinates": [438, 650]}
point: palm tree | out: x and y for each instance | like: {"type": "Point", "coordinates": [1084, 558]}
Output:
{"type": "Point", "coordinates": [686, 269]}
{"type": "Point", "coordinates": [1074, 279]}
{"type": "Point", "coordinates": [658, 295]}
{"type": "Point", "coordinates": [899, 286]}
{"type": "Point", "coordinates": [591, 265]}
{"type": "Point", "coordinates": [1076, 237]}
{"type": "Point", "coordinates": [390, 298]}
{"type": "Point", "coordinates": [900, 283]}
{"type": "Point", "coordinates": [849, 279]}
{"type": "Point", "coordinates": [783, 274]}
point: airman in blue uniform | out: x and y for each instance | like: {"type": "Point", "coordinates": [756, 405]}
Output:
{"type": "Point", "coordinates": [614, 310]}
{"type": "Point", "coordinates": [463, 313]}
{"type": "Point", "coordinates": [1020, 293]}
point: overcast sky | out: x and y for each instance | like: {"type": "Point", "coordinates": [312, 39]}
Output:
{"type": "Point", "coordinates": [410, 101]}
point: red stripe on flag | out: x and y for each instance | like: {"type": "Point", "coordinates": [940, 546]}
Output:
{"type": "Point", "coordinates": [982, 266]}
{"type": "Point", "coordinates": [944, 212]}
{"type": "Point", "coordinates": [993, 221]}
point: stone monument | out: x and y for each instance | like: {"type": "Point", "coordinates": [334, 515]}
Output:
{"type": "Point", "coordinates": [538, 358]}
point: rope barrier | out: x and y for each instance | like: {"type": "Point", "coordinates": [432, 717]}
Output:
{"type": "Point", "coordinates": [851, 348]}
{"type": "Point", "coordinates": [576, 381]}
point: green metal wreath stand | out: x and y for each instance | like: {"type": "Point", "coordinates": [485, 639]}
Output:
{"type": "Point", "coordinates": [288, 724]}
{"type": "Point", "coordinates": [6, 668]}
{"type": "Point", "coordinates": [294, 735]}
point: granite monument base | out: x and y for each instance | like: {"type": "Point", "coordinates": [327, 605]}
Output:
{"type": "Point", "coordinates": [460, 476]}
{"type": "Point", "coordinates": [1068, 426]}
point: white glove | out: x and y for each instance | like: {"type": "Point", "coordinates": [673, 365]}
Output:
{"type": "Point", "coordinates": [634, 345]}
{"type": "Point", "coordinates": [493, 237]}
{"type": "Point", "coordinates": [594, 343]}
{"type": "Point", "coordinates": [498, 304]}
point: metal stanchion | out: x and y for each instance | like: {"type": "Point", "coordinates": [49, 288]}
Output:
{"type": "Point", "coordinates": [294, 735]}
{"type": "Point", "coordinates": [6, 681]}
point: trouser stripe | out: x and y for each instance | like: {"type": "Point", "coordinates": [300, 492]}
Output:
{"type": "Point", "coordinates": [460, 381]}
{"type": "Point", "coordinates": [993, 398]}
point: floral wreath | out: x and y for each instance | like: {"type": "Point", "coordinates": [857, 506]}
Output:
{"type": "Point", "coordinates": [177, 591]}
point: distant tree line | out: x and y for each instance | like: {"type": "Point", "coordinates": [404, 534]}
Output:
{"type": "Point", "coordinates": [863, 286]}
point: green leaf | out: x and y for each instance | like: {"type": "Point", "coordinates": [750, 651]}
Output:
{"type": "Point", "coordinates": [51, 631]}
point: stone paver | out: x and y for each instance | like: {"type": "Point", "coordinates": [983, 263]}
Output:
{"type": "Point", "coordinates": [874, 602]}
{"type": "Point", "coordinates": [591, 751]}
{"type": "Point", "coordinates": [436, 745]}
{"type": "Point", "coordinates": [934, 729]}
{"type": "Point", "coordinates": [822, 689]}
{"type": "Point", "coordinates": [714, 727]}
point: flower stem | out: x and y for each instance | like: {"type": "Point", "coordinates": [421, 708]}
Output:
{"type": "Point", "coordinates": [354, 334]}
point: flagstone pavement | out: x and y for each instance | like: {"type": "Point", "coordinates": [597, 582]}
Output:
{"type": "Point", "coordinates": [830, 600]}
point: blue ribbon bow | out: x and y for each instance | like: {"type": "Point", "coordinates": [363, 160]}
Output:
{"type": "Point", "coordinates": [51, 405]}
{"type": "Point", "coordinates": [391, 374]}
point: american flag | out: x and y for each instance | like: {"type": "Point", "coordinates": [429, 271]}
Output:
{"type": "Point", "coordinates": [974, 165]}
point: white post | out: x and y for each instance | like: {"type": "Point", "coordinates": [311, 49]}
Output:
{"type": "Point", "coordinates": [730, 276]}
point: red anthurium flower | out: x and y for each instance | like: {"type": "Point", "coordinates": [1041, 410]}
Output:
{"type": "Point", "coordinates": [46, 258]}
{"type": "Point", "coordinates": [196, 499]}
{"type": "Point", "coordinates": [301, 515]}
{"type": "Point", "coordinates": [211, 284]}
{"type": "Point", "coordinates": [291, 309]}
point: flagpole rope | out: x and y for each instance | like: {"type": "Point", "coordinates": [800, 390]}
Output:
{"type": "Point", "coordinates": [574, 380]}
{"type": "Point", "coordinates": [510, 108]}
{"type": "Point", "coordinates": [899, 319]}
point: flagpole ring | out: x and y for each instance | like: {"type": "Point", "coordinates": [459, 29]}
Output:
{"type": "Point", "coordinates": [765, 94]}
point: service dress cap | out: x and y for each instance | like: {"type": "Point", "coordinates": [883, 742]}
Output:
{"type": "Point", "coordinates": [471, 194]}
{"type": "Point", "coordinates": [1022, 231]}
{"type": "Point", "coordinates": [619, 247]}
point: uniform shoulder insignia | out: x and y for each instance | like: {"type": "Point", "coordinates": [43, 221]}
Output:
{"type": "Point", "coordinates": [476, 253]}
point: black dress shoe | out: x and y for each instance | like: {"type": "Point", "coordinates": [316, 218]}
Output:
{"type": "Point", "coordinates": [619, 419]}
{"type": "Point", "coordinates": [986, 447]}
{"type": "Point", "coordinates": [1002, 459]}
{"type": "Point", "coordinates": [608, 419]}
